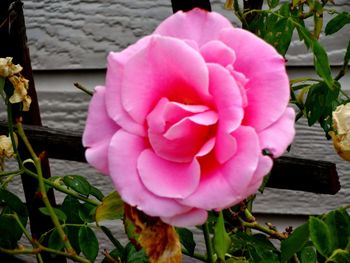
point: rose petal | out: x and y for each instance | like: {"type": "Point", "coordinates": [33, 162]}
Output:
{"type": "Point", "coordinates": [264, 167]}
{"type": "Point", "coordinates": [227, 97]}
{"type": "Point", "coordinates": [225, 148]}
{"type": "Point", "coordinates": [97, 156]}
{"type": "Point", "coordinates": [198, 25]}
{"type": "Point", "coordinates": [268, 86]}
{"type": "Point", "coordinates": [185, 127]}
{"type": "Point", "coordinates": [97, 117]}
{"type": "Point", "coordinates": [97, 141]}
{"type": "Point", "coordinates": [124, 151]}
{"type": "Point", "coordinates": [240, 169]}
{"type": "Point", "coordinates": [213, 192]}
{"type": "Point", "coordinates": [278, 136]}
{"type": "Point", "coordinates": [181, 149]}
{"type": "Point", "coordinates": [222, 186]}
{"type": "Point", "coordinates": [114, 79]}
{"type": "Point", "coordinates": [167, 179]}
{"type": "Point", "coordinates": [168, 68]}
{"type": "Point", "coordinates": [217, 52]}
{"type": "Point", "coordinates": [190, 218]}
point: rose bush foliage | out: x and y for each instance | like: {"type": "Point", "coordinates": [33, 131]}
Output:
{"type": "Point", "coordinates": [185, 114]}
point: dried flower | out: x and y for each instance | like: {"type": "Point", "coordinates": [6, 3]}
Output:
{"type": "Point", "coordinates": [7, 68]}
{"type": "Point", "coordinates": [20, 85]}
{"type": "Point", "coordinates": [6, 149]}
{"type": "Point", "coordinates": [341, 133]}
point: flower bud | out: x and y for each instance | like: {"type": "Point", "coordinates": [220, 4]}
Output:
{"type": "Point", "coordinates": [341, 133]}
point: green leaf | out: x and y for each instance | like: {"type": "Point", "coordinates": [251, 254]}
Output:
{"type": "Point", "coordinates": [10, 235]}
{"type": "Point", "coordinates": [70, 207]}
{"type": "Point", "coordinates": [273, 3]}
{"type": "Point", "coordinates": [304, 34]}
{"type": "Point", "coordinates": [295, 242]}
{"type": "Point", "coordinates": [308, 255]}
{"type": "Point", "coordinates": [78, 184]}
{"type": "Point", "coordinates": [337, 23]}
{"type": "Point", "coordinates": [338, 222]}
{"type": "Point", "coordinates": [13, 202]}
{"type": "Point", "coordinates": [112, 207]}
{"type": "Point", "coordinates": [133, 256]}
{"type": "Point", "coordinates": [59, 213]}
{"type": "Point", "coordinates": [88, 243]}
{"type": "Point", "coordinates": [320, 236]}
{"type": "Point", "coordinates": [87, 212]}
{"type": "Point", "coordinates": [55, 241]}
{"type": "Point", "coordinates": [280, 35]}
{"type": "Point", "coordinates": [221, 240]}
{"type": "Point", "coordinates": [186, 239]}
{"type": "Point", "coordinates": [73, 236]}
{"type": "Point", "coordinates": [96, 192]}
{"type": "Point", "coordinates": [321, 62]}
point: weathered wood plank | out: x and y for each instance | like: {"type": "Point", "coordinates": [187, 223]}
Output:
{"type": "Point", "coordinates": [287, 173]}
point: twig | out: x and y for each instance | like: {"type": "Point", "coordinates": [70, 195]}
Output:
{"type": "Point", "coordinates": [82, 88]}
{"type": "Point", "coordinates": [54, 218]}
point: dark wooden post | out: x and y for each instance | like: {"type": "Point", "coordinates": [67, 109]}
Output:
{"type": "Point", "coordinates": [13, 43]}
{"type": "Point", "coordinates": [186, 5]}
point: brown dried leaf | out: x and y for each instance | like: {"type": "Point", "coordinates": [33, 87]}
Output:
{"type": "Point", "coordinates": [159, 240]}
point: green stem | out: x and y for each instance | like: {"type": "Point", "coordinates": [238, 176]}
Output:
{"type": "Point", "coordinates": [42, 189]}
{"type": "Point", "coordinates": [7, 180]}
{"type": "Point", "coordinates": [266, 230]}
{"type": "Point", "coordinates": [17, 172]}
{"type": "Point", "coordinates": [28, 236]}
{"type": "Point", "coordinates": [63, 189]}
{"type": "Point", "coordinates": [40, 248]}
{"type": "Point", "coordinates": [239, 13]}
{"type": "Point", "coordinates": [295, 258]}
{"type": "Point", "coordinates": [207, 239]}
{"type": "Point", "coordinates": [11, 132]}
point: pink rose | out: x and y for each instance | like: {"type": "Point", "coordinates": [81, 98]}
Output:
{"type": "Point", "coordinates": [185, 114]}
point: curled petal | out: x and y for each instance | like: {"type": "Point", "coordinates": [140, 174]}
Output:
{"type": "Point", "coordinates": [124, 152]}
{"type": "Point", "coordinates": [198, 25]}
{"type": "Point", "coordinates": [227, 97]}
{"type": "Point", "coordinates": [277, 137]}
{"type": "Point", "coordinates": [222, 186]}
{"type": "Point", "coordinates": [264, 167]}
{"type": "Point", "coordinates": [114, 80]}
{"type": "Point", "coordinates": [97, 141]}
{"type": "Point", "coordinates": [268, 86]}
{"type": "Point", "coordinates": [217, 52]}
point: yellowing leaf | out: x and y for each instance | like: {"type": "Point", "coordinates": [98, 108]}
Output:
{"type": "Point", "coordinates": [112, 207]}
